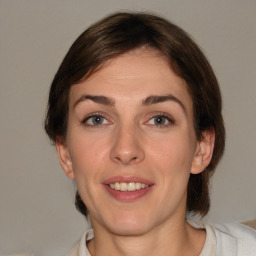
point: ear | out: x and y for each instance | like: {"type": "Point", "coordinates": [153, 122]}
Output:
{"type": "Point", "coordinates": [204, 151]}
{"type": "Point", "coordinates": [64, 158]}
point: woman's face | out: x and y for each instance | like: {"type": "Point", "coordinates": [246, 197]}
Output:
{"type": "Point", "coordinates": [131, 145]}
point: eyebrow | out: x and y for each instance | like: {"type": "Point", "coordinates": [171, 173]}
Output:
{"type": "Point", "coordinates": [97, 99]}
{"type": "Point", "coordinates": [153, 99]}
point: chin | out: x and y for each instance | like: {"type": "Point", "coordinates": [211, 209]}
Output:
{"type": "Point", "coordinates": [129, 224]}
{"type": "Point", "coordinates": [125, 229]}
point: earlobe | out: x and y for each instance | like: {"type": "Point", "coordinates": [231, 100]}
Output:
{"type": "Point", "coordinates": [204, 152]}
{"type": "Point", "coordinates": [64, 159]}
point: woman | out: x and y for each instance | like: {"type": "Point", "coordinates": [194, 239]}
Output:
{"type": "Point", "coordinates": [135, 113]}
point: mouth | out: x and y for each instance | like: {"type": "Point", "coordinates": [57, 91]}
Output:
{"type": "Point", "coordinates": [131, 186]}
{"type": "Point", "coordinates": [128, 189]}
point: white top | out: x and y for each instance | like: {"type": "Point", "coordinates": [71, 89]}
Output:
{"type": "Point", "coordinates": [221, 240]}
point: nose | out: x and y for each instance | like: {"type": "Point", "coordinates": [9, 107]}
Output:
{"type": "Point", "coordinates": [127, 147]}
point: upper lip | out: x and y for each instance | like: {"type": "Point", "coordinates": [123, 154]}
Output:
{"type": "Point", "coordinates": [126, 179]}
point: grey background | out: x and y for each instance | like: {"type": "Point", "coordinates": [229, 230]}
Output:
{"type": "Point", "coordinates": [36, 199]}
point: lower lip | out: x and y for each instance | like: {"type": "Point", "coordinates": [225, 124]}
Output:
{"type": "Point", "coordinates": [128, 196]}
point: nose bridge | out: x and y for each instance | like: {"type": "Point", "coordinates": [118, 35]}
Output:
{"type": "Point", "coordinates": [126, 147]}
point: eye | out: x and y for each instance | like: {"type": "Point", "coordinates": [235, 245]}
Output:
{"type": "Point", "coordinates": [160, 121]}
{"type": "Point", "coordinates": [95, 120]}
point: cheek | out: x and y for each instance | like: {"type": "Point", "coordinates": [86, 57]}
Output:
{"type": "Point", "coordinates": [87, 152]}
{"type": "Point", "coordinates": [171, 160]}
{"type": "Point", "coordinates": [174, 153]}
{"type": "Point", "coordinates": [90, 159]}
{"type": "Point", "coordinates": [87, 156]}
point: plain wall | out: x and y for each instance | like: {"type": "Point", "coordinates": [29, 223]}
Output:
{"type": "Point", "coordinates": [36, 199]}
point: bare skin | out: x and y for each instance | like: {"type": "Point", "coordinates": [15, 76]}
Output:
{"type": "Point", "coordinates": [132, 122]}
{"type": "Point", "coordinates": [185, 241]}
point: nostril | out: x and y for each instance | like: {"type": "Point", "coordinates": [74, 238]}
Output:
{"type": "Point", "coordinates": [126, 148]}
{"type": "Point", "coordinates": [126, 159]}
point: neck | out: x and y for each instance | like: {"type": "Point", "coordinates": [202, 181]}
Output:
{"type": "Point", "coordinates": [173, 239]}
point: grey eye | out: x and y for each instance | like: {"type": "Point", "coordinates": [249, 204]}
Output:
{"type": "Point", "coordinates": [97, 120]}
{"type": "Point", "coordinates": [160, 120]}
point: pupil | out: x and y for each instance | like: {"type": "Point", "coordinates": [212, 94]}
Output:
{"type": "Point", "coordinates": [159, 120]}
{"type": "Point", "coordinates": [97, 120]}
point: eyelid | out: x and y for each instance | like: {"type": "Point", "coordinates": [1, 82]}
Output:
{"type": "Point", "coordinates": [161, 114]}
{"type": "Point", "coordinates": [87, 117]}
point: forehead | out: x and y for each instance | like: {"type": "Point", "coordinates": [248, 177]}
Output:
{"type": "Point", "coordinates": [130, 75]}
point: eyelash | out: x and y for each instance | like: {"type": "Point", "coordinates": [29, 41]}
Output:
{"type": "Point", "coordinates": [153, 116]}
{"type": "Point", "coordinates": [85, 120]}
{"type": "Point", "coordinates": [165, 116]}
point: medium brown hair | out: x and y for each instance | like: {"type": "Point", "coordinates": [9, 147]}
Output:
{"type": "Point", "coordinates": [122, 32]}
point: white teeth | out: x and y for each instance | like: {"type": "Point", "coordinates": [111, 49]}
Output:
{"type": "Point", "coordinates": [138, 185]}
{"type": "Point", "coordinates": [123, 186]}
{"type": "Point", "coordinates": [132, 186]}
{"type": "Point", "coordinates": [117, 186]}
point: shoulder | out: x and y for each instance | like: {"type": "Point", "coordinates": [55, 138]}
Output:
{"type": "Point", "coordinates": [235, 230]}
{"type": "Point", "coordinates": [231, 238]}
{"type": "Point", "coordinates": [74, 251]}
{"type": "Point", "coordinates": [81, 249]}
{"type": "Point", "coordinates": [235, 238]}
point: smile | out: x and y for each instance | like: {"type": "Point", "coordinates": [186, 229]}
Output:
{"type": "Point", "coordinates": [131, 186]}
{"type": "Point", "coordinates": [128, 188]}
